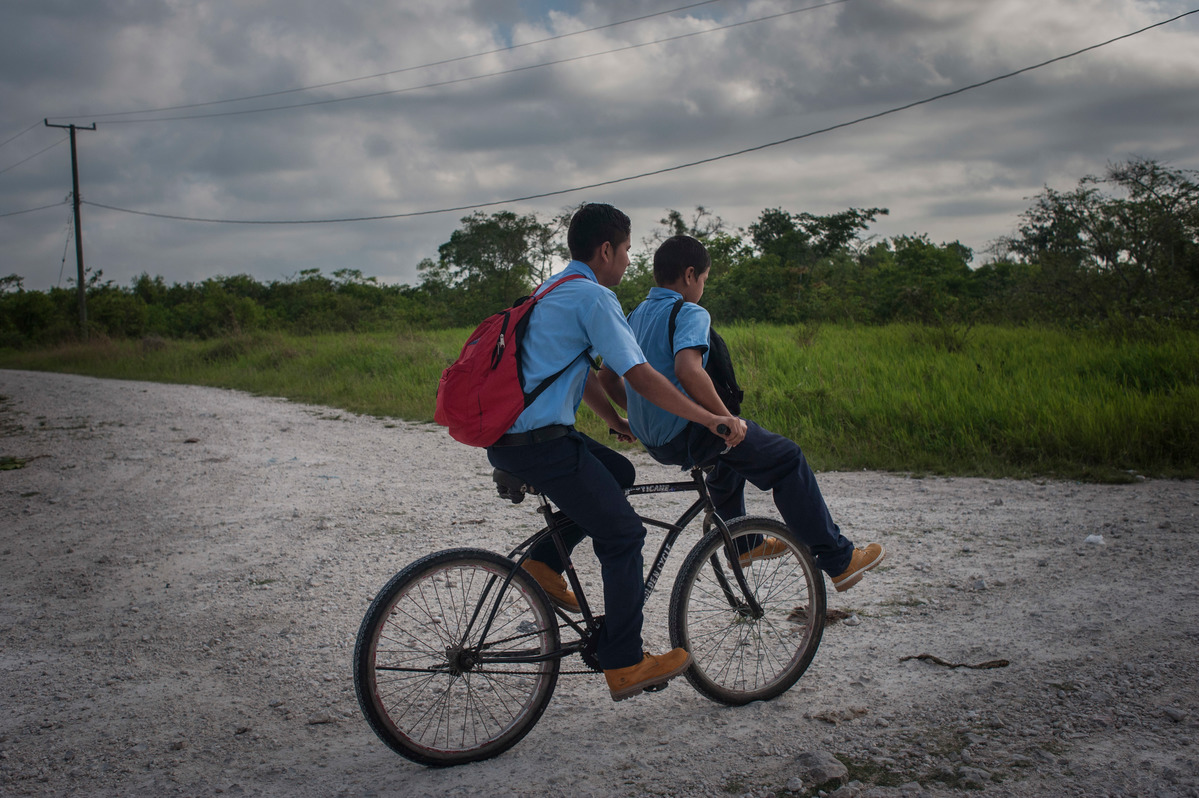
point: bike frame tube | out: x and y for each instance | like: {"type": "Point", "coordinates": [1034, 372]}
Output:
{"type": "Point", "coordinates": [704, 502]}
{"type": "Point", "coordinates": [730, 550]}
{"type": "Point", "coordinates": [672, 534]}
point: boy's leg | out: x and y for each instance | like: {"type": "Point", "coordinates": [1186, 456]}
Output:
{"type": "Point", "coordinates": [727, 489]}
{"type": "Point", "coordinates": [568, 471]}
{"type": "Point", "coordinates": [775, 463]}
{"type": "Point", "coordinates": [625, 474]}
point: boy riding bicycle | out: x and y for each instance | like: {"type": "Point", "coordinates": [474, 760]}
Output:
{"type": "Point", "coordinates": [585, 479]}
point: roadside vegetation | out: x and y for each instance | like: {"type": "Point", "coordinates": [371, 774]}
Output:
{"type": "Point", "coordinates": [1072, 351]}
{"type": "Point", "coordinates": [991, 401]}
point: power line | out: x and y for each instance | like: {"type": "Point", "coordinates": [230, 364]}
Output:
{"type": "Point", "coordinates": [36, 154]}
{"type": "Point", "coordinates": [401, 70]}
{"type": "Point", "coordinates": [22, 133]}
{"type": "Point", "coordinates": [439, 84]}
{"type": "Point", "coordinates": [357, 79]}
{"type": "Point", "coordinates": [665, 170]}
{"type": "Point", "coordinates": [42, 208]}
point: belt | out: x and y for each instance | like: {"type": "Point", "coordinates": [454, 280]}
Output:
{"type": "Point", "coordinates": [539, 435]}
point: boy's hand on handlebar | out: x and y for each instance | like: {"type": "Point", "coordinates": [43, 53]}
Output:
{"type": "Point", "coordinates": [731, 428]}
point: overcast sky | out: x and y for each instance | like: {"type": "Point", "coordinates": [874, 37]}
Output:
{"type": "Point", "coordinates": [962, 168]}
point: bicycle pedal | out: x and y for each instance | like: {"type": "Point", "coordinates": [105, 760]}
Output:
{"type": "Point", "coordinates": [657, 688]}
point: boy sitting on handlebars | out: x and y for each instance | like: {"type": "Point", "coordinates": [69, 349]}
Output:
{"type": "Point", "coordinates": [680, 350]}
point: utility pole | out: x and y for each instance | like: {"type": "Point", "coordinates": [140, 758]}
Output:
{"type": "Point", "coordinates": [82, 289]}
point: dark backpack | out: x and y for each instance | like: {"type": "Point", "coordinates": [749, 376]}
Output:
{"type": "Point", "coordinates": [719, 367]}
{"type": "Point", "coordinates": [479, 396]}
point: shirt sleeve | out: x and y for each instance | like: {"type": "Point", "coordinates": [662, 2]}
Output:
{"type": "Point", "coordinates": [610, 335]}
{"type": "Point", "coordinates": [691, 328]}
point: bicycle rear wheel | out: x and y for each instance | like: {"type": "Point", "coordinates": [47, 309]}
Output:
{"type": "Point", "coordinates": [429, 685]}
{"type": "Point", "coordinates": [737, 657]}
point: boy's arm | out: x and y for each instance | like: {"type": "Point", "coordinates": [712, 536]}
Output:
{"type": "Point", "coordinates": [596, 398]}
{"type": "Point", "coordinates": [661, 392]}
{"type": "Point", "coordinates": [613, 385]}
{"type": "Point", "coordinates": [689, 368]}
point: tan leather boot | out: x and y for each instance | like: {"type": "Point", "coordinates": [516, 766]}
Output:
{"type": "Point", "coordinates": [554, 585]}
{"type": "Point", "coordinates": [768, 549]}
{"type": "Point", "coordinates": [651, 671]}
{"type": "Point", "coordinates": [861, 562]}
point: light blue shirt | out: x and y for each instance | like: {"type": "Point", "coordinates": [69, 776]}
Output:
{"type": "Point", "coordinates": [577, 316]}
{"type": "Point", "coordinates": [650, 321]}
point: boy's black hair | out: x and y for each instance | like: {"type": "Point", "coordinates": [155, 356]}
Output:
{"type": "Point", "coordinates": [592, 225]}
{"type": "Point", "coordinates": [675, 255]}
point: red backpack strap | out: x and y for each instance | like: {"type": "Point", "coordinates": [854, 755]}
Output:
{"type": "Point", "coordinates": [548, 381]}
{"type": "Point", "coordinates": [546, 289]}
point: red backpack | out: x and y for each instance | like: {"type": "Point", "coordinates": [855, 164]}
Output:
{"type": "Point", "coordinates": [479, 396]}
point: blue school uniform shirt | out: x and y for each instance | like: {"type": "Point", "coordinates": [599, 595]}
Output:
{"type": "Point", "coordinates": [650, 321]}
{"type": "Point", "coordinates": [576, 316]}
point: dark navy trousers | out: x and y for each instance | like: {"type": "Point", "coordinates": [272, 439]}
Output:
{"type": "Point", "coordinates": [586, 480]}
{"type": "Point", "coordinates": [771, 462]}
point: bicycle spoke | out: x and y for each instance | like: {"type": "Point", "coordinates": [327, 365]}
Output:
{"type": "Point", "coordinates": [739, 656]}
{"type": "Point", "coordinates": [470, 708]}
{"type": "Point", "coordinates": [422, 671]}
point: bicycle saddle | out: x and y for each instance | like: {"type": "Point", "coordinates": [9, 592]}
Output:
{"type": "Point", "coordinates": [510, 486]}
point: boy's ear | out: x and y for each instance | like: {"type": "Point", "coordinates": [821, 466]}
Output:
{"type": "Point", "coordinates": [690, 275]}
{"type": "Point", "coordinates": [607, 252]}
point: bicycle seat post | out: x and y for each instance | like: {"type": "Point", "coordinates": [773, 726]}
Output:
{"type": "Point", "coordinates": [545, 509]}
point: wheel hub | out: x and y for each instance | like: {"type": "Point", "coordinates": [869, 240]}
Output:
{"type": "Point", "coordinates": [745, 613]}
{"type": "Point", "coordinates": [460, 660]}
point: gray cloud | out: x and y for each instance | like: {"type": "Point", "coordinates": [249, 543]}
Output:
{"type": "Point", "coordinates": [963, 168]}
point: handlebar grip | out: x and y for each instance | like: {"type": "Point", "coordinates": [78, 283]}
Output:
{"type": "Point", "coordinates": [723, 429]}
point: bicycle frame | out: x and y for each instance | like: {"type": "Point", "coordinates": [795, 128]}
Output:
{"type": "Point", "coordinates": [590, 624]}
{"type": "Point", "coordinates": [439, 686]}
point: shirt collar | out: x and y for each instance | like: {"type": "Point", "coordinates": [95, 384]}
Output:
{"type": "Point", "coordinates": [576, 267]}
{"type": "Point", "coordinates": [658, 292]}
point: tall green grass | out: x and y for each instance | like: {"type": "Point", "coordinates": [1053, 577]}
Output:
{"type": "Point", "coordinates": [381, 374]}
{"type": "Point", "coordinates": [991, 401]}
{"type": "Point", "coordinates": [994, 401]}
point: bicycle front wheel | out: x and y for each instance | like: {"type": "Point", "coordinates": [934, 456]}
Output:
{"type": "Point", "coordinates": [436, 681]}
{"type": "Point", "coordinates": [737, 655]}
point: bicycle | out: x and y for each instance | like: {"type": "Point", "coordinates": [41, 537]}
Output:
{"type": "Point", "coordinates": [459, 654]}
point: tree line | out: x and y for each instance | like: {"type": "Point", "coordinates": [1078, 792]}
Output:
{"type": "Point", "coordinates": [1122, 248]}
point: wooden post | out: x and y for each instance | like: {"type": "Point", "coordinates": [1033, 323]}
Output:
{"type": "Point", "coordinates": [81, 286]}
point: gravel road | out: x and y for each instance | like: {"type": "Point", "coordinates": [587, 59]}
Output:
{"type": "Point", "coordinates": [183, 571]}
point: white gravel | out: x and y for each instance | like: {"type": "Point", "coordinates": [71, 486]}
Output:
{"type": "Point", "coordinates": [183, 571]}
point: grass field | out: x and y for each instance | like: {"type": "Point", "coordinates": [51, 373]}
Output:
{"type": "Point", "coordinates": [988, 401]}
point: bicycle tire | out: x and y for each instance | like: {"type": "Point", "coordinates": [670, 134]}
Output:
{"type": "Point", "coordinates": [415, 685]}
{"type": "Point", "coordinates": [737, 658]}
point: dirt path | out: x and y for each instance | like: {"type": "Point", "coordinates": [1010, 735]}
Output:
{"type": "Point", "coordinates": [183, 571]}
